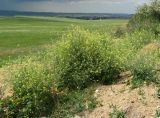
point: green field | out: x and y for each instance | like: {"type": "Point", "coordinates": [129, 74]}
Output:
{"type": "Point", "coordinates": [23, 35]}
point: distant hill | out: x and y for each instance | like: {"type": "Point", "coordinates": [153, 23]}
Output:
{"type": "Point", "coordinates": [69, 15]}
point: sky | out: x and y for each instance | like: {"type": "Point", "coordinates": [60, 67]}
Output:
{"type": "Point", "coordinates": [73, 6]}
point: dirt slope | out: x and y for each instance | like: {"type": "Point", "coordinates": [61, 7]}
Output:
{"type": "Point", "coordinates": [137, 103]}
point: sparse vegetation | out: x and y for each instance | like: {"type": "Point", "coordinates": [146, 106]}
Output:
{"type": "Point", "coordinates": [157, 114]}
{"type": "Point", "coordinates": [144, 66]}
{"type": "Point", "coordinates": [158, 93]}
{"type": "Point", "coordinates": [74, 102]}
{"type": "Point", "coordinates": [116, 113]}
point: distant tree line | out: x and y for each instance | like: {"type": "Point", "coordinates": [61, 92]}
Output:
{"type": "Point", "coordinates": [100, 17]}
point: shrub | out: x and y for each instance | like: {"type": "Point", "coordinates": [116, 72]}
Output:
{"type": "Point", "coordinates": [145, 66]}
{"type": "Point", "coordinates": [140, 38]}
{"type": "Point", "coordinates": [33, 94]}
{"type": "Point", "coordinates": [146, 17]}
{"type": "Point", "coordinates": [82, 57]}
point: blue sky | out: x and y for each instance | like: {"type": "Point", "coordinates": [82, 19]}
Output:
{"type": "Point", "coordinates": [83, 6]}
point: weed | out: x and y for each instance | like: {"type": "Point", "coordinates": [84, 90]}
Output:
{"type": "Point", "coordinates": [157, 114]}
{"type": "Point", "coordinates": [158, 93]}
{"type": "Point", "coordinates": [74, 102]}
{"type": "Point", "coordinates": [116, 113]}
{"type": "Point", "coordinates": [144, 67]}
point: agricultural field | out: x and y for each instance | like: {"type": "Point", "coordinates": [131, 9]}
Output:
{"type": "Point", "coordinates": [23, 35]}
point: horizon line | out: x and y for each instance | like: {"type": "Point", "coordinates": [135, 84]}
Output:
{"type": "Point", "coordinates": [65, 12]}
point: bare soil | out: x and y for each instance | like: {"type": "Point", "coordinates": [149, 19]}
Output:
{"type": "Point", "coordinates": [135, 103]}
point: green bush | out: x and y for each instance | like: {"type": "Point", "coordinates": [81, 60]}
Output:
{"type": "Point", "coordinates": [140, 38]}
{"type": "Point", "coordinates": [145, 66]}
{"type": "Point", "coordinates": [33, 94]}
{"type": "Point", "coordinates": [82, 57]}
{"type": "Point", "coordinates": [147, 17]}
